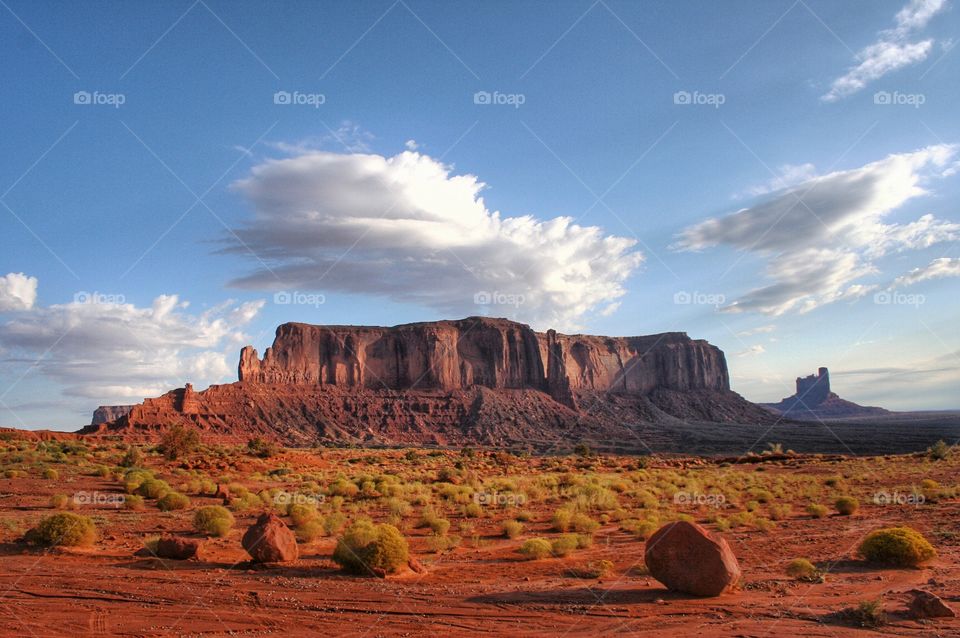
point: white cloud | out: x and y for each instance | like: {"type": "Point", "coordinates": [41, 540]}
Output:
{"type": "Point", "coordinates": [936, 269]}
{"type": "Point", "coordinates": [115, 352]}
{"type": "Point", "coordinates": [407, 228]}
{"type": "Point", "coordinates": [788, 175]}
{"type": "Point", "coordinates": [822, 235]}
{"type": "Point", "coordinates": [411, 145]}
{"type": "Point", "coordinates": [892, 50]}
{"type": "Point", "coordinates": [767, 329]}
{"type": "Point", "coordinates": [752, 351]}
{"type": "Point", "coordinates": [17, 292]}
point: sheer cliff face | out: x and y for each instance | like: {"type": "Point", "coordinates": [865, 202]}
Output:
{"type": "Point", "coordinates": [492, 353]}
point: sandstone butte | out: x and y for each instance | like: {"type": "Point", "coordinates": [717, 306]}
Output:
{"type": "Point", "coordinates": [475, 381]}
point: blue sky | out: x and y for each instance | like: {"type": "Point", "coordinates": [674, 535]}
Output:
{"type": "Point", "coordinates": [779, 178]}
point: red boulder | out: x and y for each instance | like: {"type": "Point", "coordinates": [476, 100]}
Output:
{"type": "Point", "coordinates": [687, 558]}
{"type": "Point", "coordinates": [269, 540]}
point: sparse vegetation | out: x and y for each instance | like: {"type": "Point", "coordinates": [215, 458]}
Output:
{"type": "Point", "coordinates": [213, 520]}
{"type": "Point", "coordinates": [846, 505]}
{"type": "Point", "coordinates": [897, 546]}
{"type": "Point", "coordinates": [173, 501]}
{"type": "Point", "coordinates": [64, 529]}
{"type": "Point", "coordinates": [179, 441]}
{"type": "Point", "coordinates": [366, 547]}
{"type": "Point", "coordinates": [536, 548]}
{"type": "Point", "coordinates": [802, 569]}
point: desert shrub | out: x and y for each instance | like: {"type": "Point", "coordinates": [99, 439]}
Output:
{"type": "Point", "coordinates": [898, 546]}
{"type": "Point", "coordinates": [561, 519]}
{"type": "Point", "coordinates": [473, 510]}
{"type": "Point", "coordinates": [153, 488]}
{"type": "Point", "coordinates": [59, 501]}
{"type": "Point", "coordinates": [365, 547]}
{"type": "Point", "coordinates": [300, 513]}
{"type": "Point", "coordinates": [583, 524]}
{"type": "Point", "coordinates": [132, 458]}
{"type": "Point", "coordinates": [763, 524]}
{"type": "Point", "coordinates": [722, 524]}
{"type": "Point", "coordinates": [939, 451]}
{"type": "Point", "coordinates": [262, 448]}
{"type": "Point", "coordinates": [816, 510]}
{"type": "Point", "coordinates": [178, 441]}
{"type": "Point", "coordinates": [512, 529]}
{"type": "Point", "coordinates": [398, 507]}
{"type": "Point", "coordinates": [64, 529]}
{"type": "Point", "coordinates": [536, 548]}
{"type": "Point", "coordinates": [640, 529]}
{"type": "Point", "coordinates": [51, 474]}
{"type": "Point", "coordinates": [133, 502]}
{"type": "Point", "coordinates": [600, 568]}
{"type": "Point", "coordinates": [563, 545]}
{"type": "Point", "coordinates": [780, 512]}
{"type": "Point", "coordinates": [869, 613]}
{"type": "Point", "coordinates": [439, 526]}
{"type": "Point", "coordinates": [309, 530]}
{"type": "Point", "coordinates": [846, 505]}
{"type": "Point", "coordinates": [333, 523]}
{"type": "Point", "coordinates": [213, 520]}
{"type": "Point", "coordinates": [173, 501]}
{"type": "Point", "coordinates": [584, 541]}
{"type": "Point", "coordinates": [443, 543]}
{"type": "Point", "coordinates": [133, 479]}
{"type": "Point", "coordinates": [802, 569]}
{"type": "Point", "coordinates": [343, 487]}
{"type": "Point", "coordinates": [245, 502]}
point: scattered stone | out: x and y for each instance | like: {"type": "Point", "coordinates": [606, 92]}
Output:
{"type": "Point", "coordinates": [269, 540]}
{"type": "Point", "coordinates": [223, 492]}
{"type": "Point", "coordinates": [928, 605]}
{"type": "Point", "coordinates": [177, 547]}
{"type": "Point", "coordinates": [416, 566]}
{"type": "Point", "coordinates": [687, 558]}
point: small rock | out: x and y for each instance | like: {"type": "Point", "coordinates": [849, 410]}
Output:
{"type": "Point", "coordinates": [928, 605]}
{"type": "Point", "coordinates": [416, 566]}
{"type": "Point", "coordinates": [177, 547]}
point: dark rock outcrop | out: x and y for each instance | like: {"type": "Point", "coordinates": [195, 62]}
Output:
{"type": "Point", "coordinates": [177, 547]}
{"type": "Point", "coordinates": [474, 381]}
{"type": "Point", "coordinates": [813, 401]}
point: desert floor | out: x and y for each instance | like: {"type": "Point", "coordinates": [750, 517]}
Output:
{"type": "Point", "coordinates": [476, 581]}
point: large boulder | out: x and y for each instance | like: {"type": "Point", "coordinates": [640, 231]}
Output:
{"type": "Point", "coordinates": [269, 540]}
{"type": "Point", "coordinates": [687, 558]}
{"type": "Point", "coordinates": [177, 547]}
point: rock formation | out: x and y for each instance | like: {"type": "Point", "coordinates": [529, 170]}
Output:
{"type": "Point", "coordinates": [473, 381]}
{"type": "Point", "coordinates": [813, 400]}
{"type": "Point", "coordinates": [108, 413]}
{"type": "Point", "coordinates": [269, 540]}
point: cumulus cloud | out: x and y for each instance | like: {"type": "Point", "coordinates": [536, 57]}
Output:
{"type": "Point", "coordinates": [409, 229]}
{"type": "Point", "coordinates": [822, 235]}
{"type": "Point", "coordinates": [892, 50]}
{"type": "Point", "coordinates": [936, 269]}
{"type": "Point", "coordinates": [752, 351]}
{"type": "Point", "coordinates": [17, 292]}
{"type": "Point", "coordinates": [113, 351]}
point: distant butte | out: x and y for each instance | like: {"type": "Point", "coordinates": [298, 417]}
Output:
{"type": "Point", "coordinates": [474, 381]}
{"type": "Point", "coordinates": [813, 400]}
